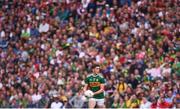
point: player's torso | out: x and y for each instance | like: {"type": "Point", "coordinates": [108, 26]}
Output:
{"type": "Point", "coordinates": [94, 83]}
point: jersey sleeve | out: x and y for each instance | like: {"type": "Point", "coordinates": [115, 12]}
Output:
{"type": "Point", "coordinates": [102, 80]}
{"type": "Point", "coordinates": [87, 80]}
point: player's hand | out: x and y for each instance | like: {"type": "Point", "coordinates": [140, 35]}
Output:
{"type": "Point", "coordinates": [89, 93]}
{"type": "Point", "coordinates": [92, 94]}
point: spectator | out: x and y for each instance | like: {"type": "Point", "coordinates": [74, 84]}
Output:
{"type": "Point", "coordinates": [56, 103]}
{"type": "Point", "coordinates": [133, 102]}
{"type": "Point", "coordinates": [145, 103]}
{"type": "Point", "coordinates": [85, 3]}
{"type": "Point", "coordinates": [43, 27]}
{"type": "Point", "coordinates": [122, 86]}
{"type": "Point", "coordinates": [133, 81]}
{"type": "Point", "coordinates": [163, 104]}
{"type": "Point", "coordinates": [76, 101]}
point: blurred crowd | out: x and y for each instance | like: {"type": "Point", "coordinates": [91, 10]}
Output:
{"type": "Point", "coordinates": [48, 47]}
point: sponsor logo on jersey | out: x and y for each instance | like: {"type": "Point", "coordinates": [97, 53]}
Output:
{"type": "Point", "coordinates": [94, 84]}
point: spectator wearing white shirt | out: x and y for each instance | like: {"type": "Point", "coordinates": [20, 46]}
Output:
{"type": "Point", "coordinates": [145, 103]}
{"type": "Point", "coordinates": [155, 71]}
{"type": "Point", "coordinates": [36, 97]}
{"type": "Point", "coordinates": [24, 55]}
{"type": "Point", "coordinates": [166, 70]}
{"type": "Point", "coordinates": [56, 104]}
{"type": "Point", "coordinates": [2, 33]}
{"type": "Point", "coordinates": [43, 27]}
{"type": "Point", "coordinates": [85, 3]}
{"type": "Point", "coordinates": [69, 1]}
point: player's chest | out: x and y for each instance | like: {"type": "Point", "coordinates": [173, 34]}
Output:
{"type": "Point", "coordinates": [94, 82]}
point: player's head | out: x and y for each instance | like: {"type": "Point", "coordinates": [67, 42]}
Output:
{"type": "Point", "coordinates": [96, 69]}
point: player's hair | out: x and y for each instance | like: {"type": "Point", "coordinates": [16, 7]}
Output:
{"type": "Point", "coordinates": [95, 66]}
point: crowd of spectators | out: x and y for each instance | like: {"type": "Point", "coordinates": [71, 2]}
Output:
{"type": "Point", "coordinates": [48, 47]}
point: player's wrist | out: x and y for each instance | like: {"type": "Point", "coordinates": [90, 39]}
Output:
{"type": "Point", "coordinates": [94, 93]}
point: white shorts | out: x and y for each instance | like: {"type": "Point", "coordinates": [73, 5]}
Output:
{"type": "Point", "coordinates": [100, 102]}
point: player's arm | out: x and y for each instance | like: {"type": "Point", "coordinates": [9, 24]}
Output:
{"type": "Point", "coordinates": [101, 89]}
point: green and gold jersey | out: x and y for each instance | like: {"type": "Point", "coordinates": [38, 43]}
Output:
{"type": "Point", "coordinates": [94, 82]}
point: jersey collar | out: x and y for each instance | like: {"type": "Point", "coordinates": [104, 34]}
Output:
{"type": "Point", "coordinates": [95, 75]}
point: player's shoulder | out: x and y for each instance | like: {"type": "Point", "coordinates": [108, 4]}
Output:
{"type": "Point", "coordinates": [89, 75]}
{"type": "Point", "coordinates": [100, 75]}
